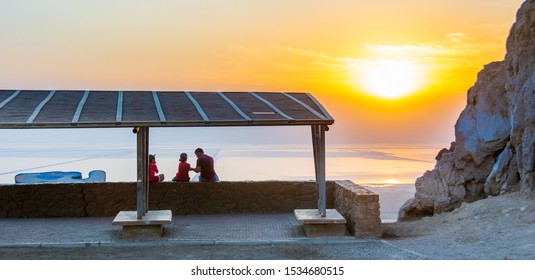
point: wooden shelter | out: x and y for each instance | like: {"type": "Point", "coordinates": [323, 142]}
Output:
{"type": "Point", "coordinates": [140, 110]}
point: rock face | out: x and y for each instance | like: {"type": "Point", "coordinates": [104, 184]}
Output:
{"type": "Point", "coordinates": [494, 148]}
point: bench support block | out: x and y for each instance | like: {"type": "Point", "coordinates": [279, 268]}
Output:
{"type": "Point", "coordinates": [142, 232]}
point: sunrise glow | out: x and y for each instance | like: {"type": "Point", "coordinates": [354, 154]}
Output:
{"type": "Point", "coordinates": [391, 181]}
{"type": "Point", "coordinates": [392, 78]}
{"type": "Point", "coordinates": [380, 69]}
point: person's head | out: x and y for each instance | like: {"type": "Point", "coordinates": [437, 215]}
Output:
{"type": "Point", "coordinates": [183, 157]}
{"type": "Point", "coordinates": [199, 152]}
{"type": "Point", "coordinates": [152, 158]}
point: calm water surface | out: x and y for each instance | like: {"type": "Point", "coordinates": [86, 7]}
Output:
{"type": "Point", "coordinates": [389, 169]}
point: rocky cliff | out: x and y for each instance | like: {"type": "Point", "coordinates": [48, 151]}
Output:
{"type": "Point", "coordinates": [493, 152]}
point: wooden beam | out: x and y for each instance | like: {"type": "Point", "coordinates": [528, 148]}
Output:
{"type": "Point", "coordinates": [78, 112]}
{"type": "Point", "coordinates": [40, 107]}
{"type": "Point", "coordinates": [119, 116]}
{"type": "Point", "coordinates": [235, 107]}
{"type": "Point", "coordinates": [161, 115]}
{"type": "Point", "coordinates": [305, 106]}
{"type": "Point", "coordinates": [11, 97]}
{"type": "Point", "coordinates": [318, 141]}
{"type": "Point", "coordinates": [273, 107]}
{"type": "Point", "coordinates": [329, 117]}
{"type": "Point", "coordinates": [198, 107]}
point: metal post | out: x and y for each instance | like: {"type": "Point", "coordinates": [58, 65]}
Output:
{"type": "Point", "coordinates": [142, 170]}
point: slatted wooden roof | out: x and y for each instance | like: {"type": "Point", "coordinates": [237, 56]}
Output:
{"type": "Point", "coordinates": [75, 108]}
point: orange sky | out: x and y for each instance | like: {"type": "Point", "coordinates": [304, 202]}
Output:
{"type": "Point", "coordinates": [322, 47]}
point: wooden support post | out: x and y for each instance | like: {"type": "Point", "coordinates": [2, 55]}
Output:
{"type": "Point", "coordinates": [322, 174]}
{"type": "Point", "coordinates": [314, 129]}
{"type": "Point", "coordinates": [318, 141]}
{"type": "Point", "coordinates": [146, 174]}
{"type": "Point", "coordinates": [142, 171]}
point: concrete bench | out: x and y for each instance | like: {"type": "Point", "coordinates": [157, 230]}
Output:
{"type": "Point", "coordinates": [150, 226]}
{"type": "Point", "coordinates": [333, 224]}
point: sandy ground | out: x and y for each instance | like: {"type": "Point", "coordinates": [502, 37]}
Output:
{"type": "Point", "coordinates": [501, 227]}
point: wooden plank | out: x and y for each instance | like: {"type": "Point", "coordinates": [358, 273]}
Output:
{"type": "Point", "coordinates": [40, 107]}
{"type": "Point", "coordinates": [273, 107]}
{"type": "Point", "coordinates": [11, 97]}
{"type": "Point", "coordinates": [329, 117]}
{"type": "Point", "coordinates": [305, 106]}
{"type": "Point", "coordinates": [119, 116]}
{"type": "Point", "coordinates": [197, 106]}
{"type": "Point", "coordinates": [78, 112]}
{"type": "Point", "coordinates": [161, 115]}
{"type": "Point", "coordinates": [235, 107]}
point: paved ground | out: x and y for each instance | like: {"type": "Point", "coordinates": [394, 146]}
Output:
{"type": "Point", "coordinates": [240, 236]}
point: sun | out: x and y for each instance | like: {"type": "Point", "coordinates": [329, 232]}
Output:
{"type": "Point", "coordinates": [391, 181]}
{"type": "Point", "coordinates": [391, 79]}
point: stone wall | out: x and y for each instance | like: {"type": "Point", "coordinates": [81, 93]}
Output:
{"type": "Point", "coordinates": [107, 199]}
{"type": "Point", "coordinates": [58, 200]}
{"type": "Point", "coordinates": [360, 207]}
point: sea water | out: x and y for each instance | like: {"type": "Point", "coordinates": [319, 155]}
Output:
{"type": "Point", "coordinates": [389, 170]}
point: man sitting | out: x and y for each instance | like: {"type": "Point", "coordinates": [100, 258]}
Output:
{"type": "Point", "coordinates": [205, 165]}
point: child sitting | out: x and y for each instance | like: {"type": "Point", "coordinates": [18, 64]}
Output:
{"type": "Point", "coordinates": [153, 169]}
{"type": "Point", "coordinates": [183, 169]}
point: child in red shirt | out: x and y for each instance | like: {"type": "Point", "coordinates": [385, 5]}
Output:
{"type": "Point", "coordinates": [153, 169]}
{"type": "Point", "coordinates": [183, 169]}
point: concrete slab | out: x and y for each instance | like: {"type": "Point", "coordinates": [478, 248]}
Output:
{"type": "Point", "coordinates": [154, 217]}
{"type": "Point", "coordinates": [314, 225]}
{"type": "Point", "coordinates": [312, 216]}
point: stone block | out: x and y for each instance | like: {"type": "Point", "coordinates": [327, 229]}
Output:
{"type": "Point", "coordinates": [372, 205]}
{"type": "Point", "coordinates": [142, 232]}
{"type": "Point", "coordinates": [361, 212]}
{"type": "Point", "coordinates": [368, 198]}
{"type": "Point", "coordinates": [323, 230]}
{"type": "Point", "coordinates": [373, 213]}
